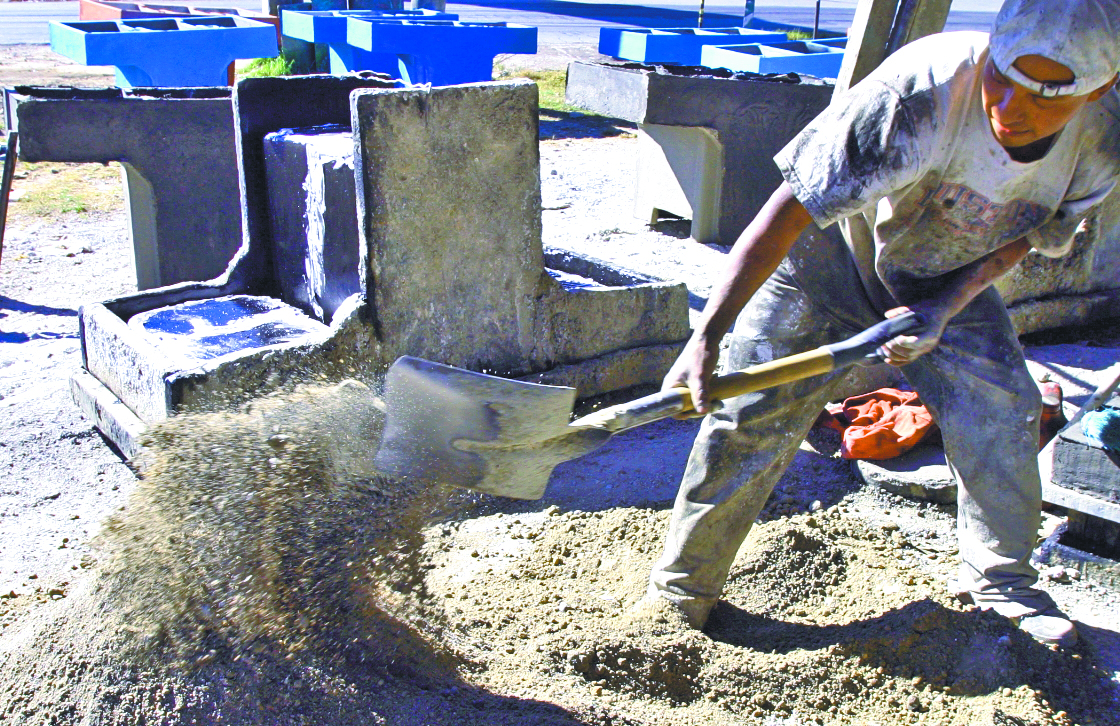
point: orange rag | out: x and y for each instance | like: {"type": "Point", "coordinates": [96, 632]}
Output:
{"type": "Point", "coordinates": [882, 424]}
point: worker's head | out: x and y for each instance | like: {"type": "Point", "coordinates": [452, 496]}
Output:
{"type": "Point", "coordinates": [1047, 59]}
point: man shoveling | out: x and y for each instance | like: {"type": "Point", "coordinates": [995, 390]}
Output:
{"type": "Point", "coordinates": [915, 191]}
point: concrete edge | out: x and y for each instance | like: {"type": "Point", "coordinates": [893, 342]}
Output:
{"type": "Point", "coordinates": [107, 412]}
{"type": "Point", "coordinates": [1080, 502]}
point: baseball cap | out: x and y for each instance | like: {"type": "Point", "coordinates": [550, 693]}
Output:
{"type": "Point", "coordinates": [1083, 35]}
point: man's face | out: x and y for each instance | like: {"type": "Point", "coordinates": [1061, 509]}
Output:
{"type": "Point", "coordinates": [1017, 115]}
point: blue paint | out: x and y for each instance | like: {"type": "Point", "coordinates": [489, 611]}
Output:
{"type": "Point", "coordinates": [676, 45]}
{"type": "Point", "coordinates": [442, 53]}
{"type": "Point", "coordinates": [191, 51]}
{"type": "Point", "coordinates": [328, 27]}
{"type": "Point", "coordinates": [208, 329]}
{"type": "Point", "coordinates": [812, 58]}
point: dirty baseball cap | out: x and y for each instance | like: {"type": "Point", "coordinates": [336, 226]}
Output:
{"type": "Point", "coordinates": [1083, 35]}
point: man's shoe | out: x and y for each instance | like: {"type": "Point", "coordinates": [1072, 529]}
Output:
{"type": "Point", "coordinates": [1050, 627]}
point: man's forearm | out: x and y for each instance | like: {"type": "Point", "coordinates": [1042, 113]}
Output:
{"type": "Point", "coordinates": [976, 277]}
{"type": "Point", "coordinates": [756, 254]}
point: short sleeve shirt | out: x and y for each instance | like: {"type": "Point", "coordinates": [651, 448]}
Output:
{"type": "Point", "coordinates": [907, 162]}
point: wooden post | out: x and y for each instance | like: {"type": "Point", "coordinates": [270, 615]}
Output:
{"type": "Point", "coordinates": [881, 27]}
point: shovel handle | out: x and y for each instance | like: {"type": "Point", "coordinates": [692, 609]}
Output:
{"type": "Point", "coordinates": [824, 359]}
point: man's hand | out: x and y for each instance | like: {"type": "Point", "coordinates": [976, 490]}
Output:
{"type": "Point", "coordinates": [693, 369]}
{"type": "Point", "coordinates": [959, 289]}
{"type": "Point", "coordinates": [908, 348]}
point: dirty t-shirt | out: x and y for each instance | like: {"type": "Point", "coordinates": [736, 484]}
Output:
{"type": "Point", "coordinates": [907, 164]}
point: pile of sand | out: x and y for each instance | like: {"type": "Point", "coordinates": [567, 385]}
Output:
{"type": "Point", "coordinates": [260, 576]}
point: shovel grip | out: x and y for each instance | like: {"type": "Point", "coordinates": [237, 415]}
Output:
{"type": "Point", "coordinates": [824, 359]}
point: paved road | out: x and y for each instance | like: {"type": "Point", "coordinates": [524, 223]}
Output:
{"type": "Point", "coordinates": [560, 22]}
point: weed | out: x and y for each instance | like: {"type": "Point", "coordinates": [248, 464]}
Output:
{"type": "Point", "coordinates": [47, 189]}
{"type": "Point", "coordinates": [550, 85]}
{"type": "Point", "coordinates": [267, 67]}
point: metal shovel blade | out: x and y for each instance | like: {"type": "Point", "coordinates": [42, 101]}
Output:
{"type": "Point", "coordinates": [448, 426]}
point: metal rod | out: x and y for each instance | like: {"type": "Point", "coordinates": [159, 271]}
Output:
{"type": "Point", "coordinates": [817, 20]}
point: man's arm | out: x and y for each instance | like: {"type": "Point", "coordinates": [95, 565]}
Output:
{"type": "Point", "coordinates": [960, 289]}
{"type": "Point", "coordinates": [756, 254]}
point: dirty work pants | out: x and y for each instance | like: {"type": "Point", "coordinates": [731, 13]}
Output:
{"type": "Point", "coordinates": [975, 383]}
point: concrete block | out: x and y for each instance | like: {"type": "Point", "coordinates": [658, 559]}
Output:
{"type": "Point", "coordinates": [190, 51]}
{"type": "Point", "coordinates": [676, 45]}
{"type": "Point", "coordinates": [752, 117]}
{"type": "Point", "coordinates": [176, 147]}
{"type": "Point", "coordinates": [1083, 466]}
{"type": "Point", "coordinates": [441, 53]}
{"type": "Point", "coordinates": [810, 58]}
{"type": "Point", "coordinates": [314, 217]}
{"type": "Point", "coordinates": [1044, 293]}
{"type": "Point", "coordinates": [920, 473]}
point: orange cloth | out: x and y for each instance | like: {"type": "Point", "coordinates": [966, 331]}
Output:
{"type": "Point", "coordinates": [882, 424]}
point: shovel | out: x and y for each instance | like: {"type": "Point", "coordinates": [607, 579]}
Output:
{"type": "Point", "coordinates": [449, 426]}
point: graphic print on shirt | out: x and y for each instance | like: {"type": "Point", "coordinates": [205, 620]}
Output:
{"type": "Point", "coordinates": [960, 208]}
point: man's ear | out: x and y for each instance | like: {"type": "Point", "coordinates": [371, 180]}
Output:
{"type": "Point", "coordinates": [1096, 95]}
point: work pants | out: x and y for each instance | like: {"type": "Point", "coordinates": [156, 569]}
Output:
{"type": "Point", "coordinates": [975, 383]}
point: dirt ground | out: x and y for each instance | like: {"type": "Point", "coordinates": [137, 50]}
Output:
{"type": "Point", "coordinates": [249, 578]}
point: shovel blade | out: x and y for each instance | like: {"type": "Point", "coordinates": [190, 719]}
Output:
{"type": "Point", "coordinates": [448, 426]}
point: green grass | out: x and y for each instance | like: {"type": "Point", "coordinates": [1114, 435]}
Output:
{"type": "Point", "coordinates": [267, 67]}
{"type": "Point", "coordinates": [48, 189]}
{"type": "Point", "coordinates": [550, 86]}
{"type": "Point", "coordinates": [799, 35]}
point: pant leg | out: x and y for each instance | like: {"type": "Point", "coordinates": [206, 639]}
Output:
{"type": "Point", "coordinates": [742, 451]}
{"type": "Point", "coordinates": [978, 387]}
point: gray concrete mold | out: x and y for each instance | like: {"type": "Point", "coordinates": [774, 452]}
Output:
{"type": "Point", "coordinates": [749, 119]}
{"type": "Point", "coordinates": [176, 149]}
{"type": "Point", "coordinates": [449, 261]}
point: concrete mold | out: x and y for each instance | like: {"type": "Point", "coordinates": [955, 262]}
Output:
{"type": "Point", "coordinates": [413, 228]}
{"type": "Point", "coordinates": [176, 148]}
{"type": "Point", "coordinates": [707, 138]}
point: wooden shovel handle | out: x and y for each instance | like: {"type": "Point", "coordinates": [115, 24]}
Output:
{"type": "Point", "coordinates": [792, 368]}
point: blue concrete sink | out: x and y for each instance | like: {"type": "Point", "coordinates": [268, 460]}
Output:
{"type": "Point", "coordinates": [676, 45]}
{"type": "Point", "coordinates": [442, 53]}
{"type": "Point", "coordinates": [813, 58]}
{"type": "Point", "coordinates": [328, 27]}
{"type": "Point", "coordinates": [177, 52]}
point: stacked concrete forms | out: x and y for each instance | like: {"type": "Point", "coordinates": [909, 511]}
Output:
{"type": "Point", "coordinates": [440, 257]}
{"type": "Point", "coordinates": [676, 45]}
{"type": "Point", "coordinates": [176, 149]}
{"type": "Point", "coordinates": [708, 138]}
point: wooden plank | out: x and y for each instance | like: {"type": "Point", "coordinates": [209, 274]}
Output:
{"type": "Point", "coordinates": [867, 42]}
{"type": "Point", "coordinates": [917, 19]}
{"type": "Point", "coordinates": [881, 27]}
